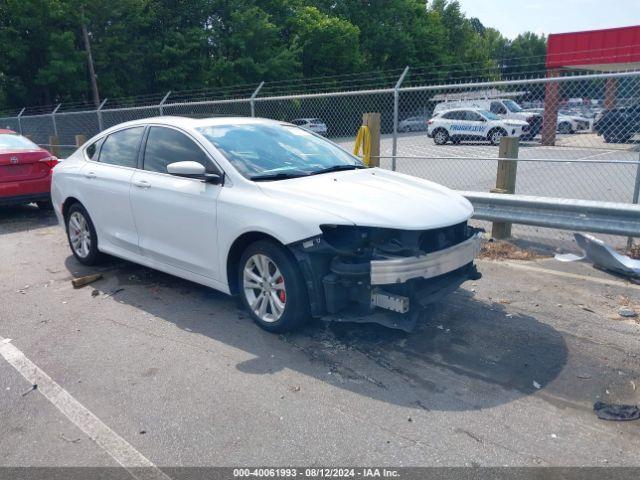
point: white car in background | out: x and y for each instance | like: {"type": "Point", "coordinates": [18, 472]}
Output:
{"type": "Point", "coordinates": [314, 125]}
{"type": "Point", "coordinates": [462, 124]}
{"type": "Point", "coordinates": [413, 124]}
{"type": "Point", "coordinates": [287, 220]}
{"type": "Point", "coordinates": [567, 123]}
{"type": "Point", "coordinates": [505, 108]}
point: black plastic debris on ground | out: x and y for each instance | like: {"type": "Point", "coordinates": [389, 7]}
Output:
{"type": "Point", "coordinates": [614, 412]}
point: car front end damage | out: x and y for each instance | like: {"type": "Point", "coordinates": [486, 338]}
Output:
{"type": "Point", "coordinates": [384, 275]}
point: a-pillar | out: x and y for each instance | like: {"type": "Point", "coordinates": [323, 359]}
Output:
{"type": "Point", "coordinates": [551, 106]}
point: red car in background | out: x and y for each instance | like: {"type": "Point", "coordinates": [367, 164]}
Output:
{"type": "Point", "coordinates": [25, 171]}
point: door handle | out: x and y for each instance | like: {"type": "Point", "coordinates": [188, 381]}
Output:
{"type": "Point", "coordinates": [90, 175]}
{"type": "Point", "coordinates": [141, 183]}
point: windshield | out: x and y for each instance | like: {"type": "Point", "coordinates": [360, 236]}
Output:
{"type": "Point", "coordinates": [512, 106]}
{"type": "Point", "coordinates": [13, 141]}
{"type": "Point", "coordinates": [489, 115]}
{"type": "Point", "coordinates": [258, 150]}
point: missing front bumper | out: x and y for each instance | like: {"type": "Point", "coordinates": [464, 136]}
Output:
{"type": "Point", "coordinates": [399, 270]}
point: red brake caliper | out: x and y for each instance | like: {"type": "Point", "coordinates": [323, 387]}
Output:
{"type": "Point", "coordinates": [282, 295]}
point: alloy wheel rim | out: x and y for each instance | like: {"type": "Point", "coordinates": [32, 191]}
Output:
{"type": "Point", "coordinates": [264, 288]}
{"type": "Point", "coordinates": [79, 234]}
{"type": "Point", "coordinates": [496, 137]}
{"type": "Point", "coordinates": [440, 137]}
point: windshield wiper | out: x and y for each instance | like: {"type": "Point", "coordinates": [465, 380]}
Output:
{"type": "Point", "coordinates": [337, 168]}
{"type": "Point", "coordinates": [278, 176]}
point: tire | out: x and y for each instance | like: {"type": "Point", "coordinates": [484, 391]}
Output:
{"type": "Point", "coordinates": [285, 301]}
{"type": "Point", "coordinates": [45, 205]}
{"type": "Point", "coordinates": [565, 127]}
{"type": "Point", "coordinates": [440, 136]}
{"type": "Point", "coordinates": [495, 135]}
{"type": "Point", "coordinates": [81, 235]}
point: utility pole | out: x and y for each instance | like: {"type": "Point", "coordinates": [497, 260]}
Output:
{"type": "Point", "coordinates": [92, 71]}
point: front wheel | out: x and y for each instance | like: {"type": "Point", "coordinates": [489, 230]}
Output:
{"type": "Point", "coordinates": [272, 287]}
{"type": "Point", "coordinates": [82, 235]}
{"type": "Point", "coordinates": [496, 135]}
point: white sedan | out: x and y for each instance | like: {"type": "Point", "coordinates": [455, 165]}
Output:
{"type": "Point", "coordinates": [314, 125]}
{"type": "Point", "coordinates": [284, 218]}
{"type": "Point", "coordinates": [460, 124]}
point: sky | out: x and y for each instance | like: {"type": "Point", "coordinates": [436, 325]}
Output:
{"type": "Point", "coordinates": [512, 17]}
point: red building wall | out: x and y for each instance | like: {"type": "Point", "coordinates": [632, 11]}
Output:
{"type": "Point", "coordinates": [596, 47]}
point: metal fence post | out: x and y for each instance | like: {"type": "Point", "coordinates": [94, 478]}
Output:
{"type": "Point", "coordinates": [53, 120]}
{"type": "Point", "coordinates": [20, 121]}
{"type": "Point", "coordinates": [636, 194]}
{"type": "Point", "coordinates": [99, 113]}
{"type": "Point", "coordinates": [161, 104]}
{"type": "Point", "coordinates": [396, 107]}
{"type": "Point", "coordinates": [252, 99]}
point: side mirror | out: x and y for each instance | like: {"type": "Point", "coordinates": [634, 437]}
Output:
{"type": "Point", "coordinates": [194, 170]}
{"type": "Point", "coordinates": [186, 169]}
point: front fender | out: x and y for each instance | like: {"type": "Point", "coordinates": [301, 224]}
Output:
{"type": "Point", "coordinates": [244, 210]}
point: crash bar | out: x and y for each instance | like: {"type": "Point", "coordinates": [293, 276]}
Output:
{"type": "Point", "coordinates": [565, 214]}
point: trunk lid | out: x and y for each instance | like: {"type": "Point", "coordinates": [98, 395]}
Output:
{"type": "Point", "coordinates": [25, 165]}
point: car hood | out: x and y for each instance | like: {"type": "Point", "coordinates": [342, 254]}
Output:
{"type": "Point", "coordinates": [376, 198]}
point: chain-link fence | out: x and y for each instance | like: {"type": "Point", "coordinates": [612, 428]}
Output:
{"type": "Point", "coordinates": [579, 134]}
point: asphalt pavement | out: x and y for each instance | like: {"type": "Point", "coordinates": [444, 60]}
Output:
{"type": "Point", "coordinates": [504, 372]}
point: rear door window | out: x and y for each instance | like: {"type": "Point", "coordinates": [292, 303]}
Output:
{"type": "Point", "coordinates": [451, 115]}
{"type": "Point", "coordinates": [121, 148]}
{"type": "Point", "coordinates": [473, 116]}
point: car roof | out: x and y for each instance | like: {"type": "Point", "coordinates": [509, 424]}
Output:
{"type": "Point", "coordinates": [187, 122]}
{"type": "Point", "coordinates": [463, 109]}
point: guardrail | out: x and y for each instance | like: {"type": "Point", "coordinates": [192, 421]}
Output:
{"type": "Point", "coordinates": [565, 214]}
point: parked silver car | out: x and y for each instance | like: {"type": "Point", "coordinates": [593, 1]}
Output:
{"type": "Point", "coordinates": [413, 124]}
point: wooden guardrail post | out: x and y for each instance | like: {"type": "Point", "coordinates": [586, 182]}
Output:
{"type": "Point", "coordinates": [54, 145]}
{"type": "Point", "coordinates": [505, 180]}
{"type": "Point", "coordinates": [80, 139]}
{"type": "Point", "coordinates": [372, 120]}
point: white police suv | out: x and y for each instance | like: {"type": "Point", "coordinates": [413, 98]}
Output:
{"type": "Point", "coordinates": [472, 124]}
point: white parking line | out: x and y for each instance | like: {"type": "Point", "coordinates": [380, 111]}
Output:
{"type": "Point", "coordinates": [118, 448]}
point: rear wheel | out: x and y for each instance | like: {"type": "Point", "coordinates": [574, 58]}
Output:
{"type": "Point", "coordinates": [272, 287]}
{"type": "Point", "coordinates": [82, 235]}
{"type": "Point", "coordinates": [440, 136]}
{"type": "Point", "coordinates": [565, 127]}
{"type": "Point", "coordinates": [496, 135]}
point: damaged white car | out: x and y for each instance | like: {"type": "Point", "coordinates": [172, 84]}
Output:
{"type": "Point", "coordinates": [287, 220]}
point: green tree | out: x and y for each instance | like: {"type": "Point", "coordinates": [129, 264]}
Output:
{"type": "Point", "coordinates": [327, 45]}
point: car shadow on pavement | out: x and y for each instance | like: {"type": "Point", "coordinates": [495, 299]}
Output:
{"type": "Point", "coordinates": [467, 354]}
{"type": "Point", "coordinates": [17, 218]}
